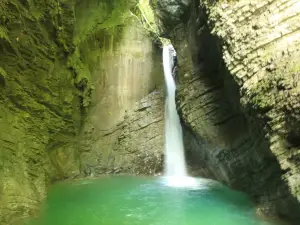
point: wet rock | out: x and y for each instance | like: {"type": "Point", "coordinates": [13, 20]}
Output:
{"type": "Point", "coordinates": [237, 96]}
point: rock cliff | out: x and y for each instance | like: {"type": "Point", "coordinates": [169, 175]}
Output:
{"type": "Point", "coordinates": [65, 65]}
{"type": "Point", "coordinates": [239, 92]}
{"type": "Point", "coordinates": [40, 105]}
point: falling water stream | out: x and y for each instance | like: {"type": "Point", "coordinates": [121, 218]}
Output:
{"type": "Point", "coordinates": [175, 165]}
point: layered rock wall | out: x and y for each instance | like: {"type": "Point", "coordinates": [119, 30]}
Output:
{"type": "Point", "coordinates": [261, 51]}
{"type": "Point", "coordinates": [133, 146]}
{"type": "Point", "coordinates": [237, 96]}
{"type": "Point", "coordinates": [39, 104]}
{"type": "Point", "coordinates": [64, 64]}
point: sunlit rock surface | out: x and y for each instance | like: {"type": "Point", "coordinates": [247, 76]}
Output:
{"type": "Point", "coordinates": [121, 135]}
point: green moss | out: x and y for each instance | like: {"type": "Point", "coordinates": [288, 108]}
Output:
{"type": "Point", "coordinates": [295, 67]}
{"type": "Point", "coordinates": [268, 92]}
{"type": "Point", "coordinates": [48, 52]}
{"type": "Point", "coordinates": [102, 15]}
{"type": "Point", "coordinates": [148, 16]}
{"type": "Point", "coordinates": [262, 96]}
{"type": "Point", "coordinates": [3, 4]}
{"type": "Point", "coordinates": [3, 34]}
{"type": "Point", "coordinates": [3, 76]}
{"type": "Point", "coordinates": [145, 13]}
{"type": "Point", "coordinates": [81, 70]}
{"type": "Point", "coordinates": [82, 78]}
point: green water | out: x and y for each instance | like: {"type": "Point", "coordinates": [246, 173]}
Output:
{"type": "Point", "coordinates": [144, 201]}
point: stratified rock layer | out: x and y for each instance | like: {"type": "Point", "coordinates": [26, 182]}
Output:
{"type": "Point", "coordinates": [239, 93]}
{"type": "Point", "coordinates": [134, 146]}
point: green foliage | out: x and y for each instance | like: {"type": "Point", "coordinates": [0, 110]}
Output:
{"type": "Point", "coordinates": [101, 15]}
{"type": "Point", "coordinates": [81, 70]}
{"type": "Point", "coordinates": [2, 72]}
{"type": "Point", "coordinates": [3, 76]}
{"type": "Point", "coordinates": [3, 4]}
{"type": "Point", "coordinates": [3, 34]}
{"type": "Point", "coordinates": [145, 14]}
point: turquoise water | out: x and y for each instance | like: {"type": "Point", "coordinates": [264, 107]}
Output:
{"type": "Point", "coordinates": [144, 201]}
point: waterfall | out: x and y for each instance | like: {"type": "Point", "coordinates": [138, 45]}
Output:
{"type": "Point", "coordinates": [175, 165]}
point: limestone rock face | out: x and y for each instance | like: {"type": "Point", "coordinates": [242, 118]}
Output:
{"type": "Point", "coordinates": [238, 95]}
{"type": "Point", "coordinates": [117, 136]}
{"type": "Point", "coordinates": [125, 69]}
{"type": "Point", "coordinates": [134, 146]}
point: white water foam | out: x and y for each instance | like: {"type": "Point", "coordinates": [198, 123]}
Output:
{"type": "Point", "coordinates": [175, 165]}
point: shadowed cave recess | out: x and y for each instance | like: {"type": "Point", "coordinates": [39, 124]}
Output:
{"type": "Point", "coordinates": [82, 96]}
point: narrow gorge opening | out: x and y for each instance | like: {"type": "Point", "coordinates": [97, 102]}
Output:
{"type": "Point", "coordinates": [98, 112]}
{"type": "Point", "coordinates": [174, 198]}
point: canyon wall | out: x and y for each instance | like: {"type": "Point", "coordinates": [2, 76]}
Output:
{"type": "Point", "coordinates": [40, 104]}
{"type": "Point", "coordinates": [75, 84]}
{"type": "Point", "coordinates": [67, 66]}
{"type": "Point", "coordinates": [238, 91]}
